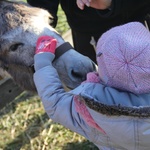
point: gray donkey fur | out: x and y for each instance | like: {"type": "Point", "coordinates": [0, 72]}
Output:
{"type": "Point", "coordinates": [20, 27]}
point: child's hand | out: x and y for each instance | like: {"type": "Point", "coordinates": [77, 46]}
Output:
{"type": "Point", "coordinates": [97, 4]}
{"type": "Point", "coordinates": [46, 44]}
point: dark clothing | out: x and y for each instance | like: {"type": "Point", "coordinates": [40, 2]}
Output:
{"type": "Point", "coordinates": [82, 44]}
{"type": "Point", "coordinates": [92, 22]}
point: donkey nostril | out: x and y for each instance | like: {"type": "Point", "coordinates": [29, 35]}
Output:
{"type": "Point", "coordinates": [78, 75]}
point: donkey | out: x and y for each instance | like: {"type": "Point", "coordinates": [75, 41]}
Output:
{"type": "Point", "coordinates": [20, 27]}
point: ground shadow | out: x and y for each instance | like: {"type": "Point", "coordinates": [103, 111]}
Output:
{"type": "Point", "coordinates": [11, 106]}
{"type": "Point", "coordinates": [85, 145]}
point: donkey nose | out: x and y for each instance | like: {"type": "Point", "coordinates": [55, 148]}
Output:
{"type": "Point", "coordinates": [78, 74]}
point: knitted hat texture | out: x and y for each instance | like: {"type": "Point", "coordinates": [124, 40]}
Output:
{"type": "Point", "coordinates": [123, 57]}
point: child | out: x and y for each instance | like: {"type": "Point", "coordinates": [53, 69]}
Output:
{"type": "Point", "coordinates": [111, 108]}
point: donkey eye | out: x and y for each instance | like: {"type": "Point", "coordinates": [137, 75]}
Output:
{"type": "Point", "coordinates": [14, 47]}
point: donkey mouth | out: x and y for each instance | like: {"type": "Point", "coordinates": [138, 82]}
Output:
{"type": "Point", "coordinates": [32, 68]}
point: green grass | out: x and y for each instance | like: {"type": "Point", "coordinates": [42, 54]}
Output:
{"type": "Point", "coordinates": [24, 124]}
{"type": "Point", "coordinates": [62, 25]}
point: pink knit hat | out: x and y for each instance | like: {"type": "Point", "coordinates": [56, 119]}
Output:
{"type": "Point", "coordinates": [123, 56]}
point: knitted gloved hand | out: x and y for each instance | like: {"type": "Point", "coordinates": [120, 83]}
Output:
{"type": "Point", "coordinates": [46, 44]}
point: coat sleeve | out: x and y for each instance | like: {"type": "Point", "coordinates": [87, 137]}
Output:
{"type": "Point", "coordinates": [132, 5]}
{"type": "Point", "coordinates": [58, 104]}
{"type": "Point", "coordinates": [50, 5]}
{"type": "Point", "coordinates": [127, 8]}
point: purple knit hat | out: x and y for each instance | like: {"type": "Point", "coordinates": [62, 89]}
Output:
{"type": "Point", "coordinates": [123, 56]}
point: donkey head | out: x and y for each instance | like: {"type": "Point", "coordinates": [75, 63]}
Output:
{"type": "Point", "coordinates": [20, 27]}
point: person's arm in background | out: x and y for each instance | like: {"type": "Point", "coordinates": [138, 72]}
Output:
{"type": "Point", "coordinates": [50, 5]}
{"type": "Point", "coordinates": [131, 6]}
{"type": "Point", "coordinates": [116, 7]}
